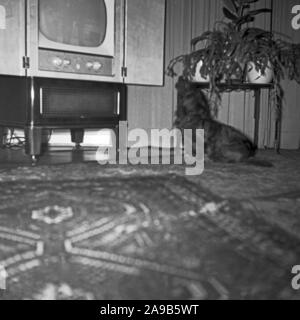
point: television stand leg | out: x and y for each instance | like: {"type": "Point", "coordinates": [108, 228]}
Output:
{"type": "Point", "coordinates": [34, 160]}
{"type": "Point", "coordinates": [117, 143]}
{"type": "Point", "coordinates": [2, 136]}
{"type": "Point", "coordinates": [77, 136]}
{"type": "Point", "coordinates": [33, 142]}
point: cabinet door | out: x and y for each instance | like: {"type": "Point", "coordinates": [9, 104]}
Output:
{"type": "Point", "coordinates": [144, 41]}
{"type": "Point", "coordinates": [12, 37]}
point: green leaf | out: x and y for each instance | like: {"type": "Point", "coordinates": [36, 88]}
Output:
{"type": "Point", "coordinates": [230, 5]}
{"type": "Point", "coordinates": [243, 2]}
{"type": "Point", "coordinates": [205, 36]}
{"type": "Point", "coordinates": [245, 19]}
{"type": "Point", "coordinates": [256, 12]}
{"type": "Point", "coordinates": [229, 15]}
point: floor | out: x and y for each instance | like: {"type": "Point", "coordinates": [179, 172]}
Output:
{"type": "Point", "coordinates": [238, 181]}
{"type": "Point", "coordinates": [55, 155]}
{"type": "Point", "coordinates": [233, 231]}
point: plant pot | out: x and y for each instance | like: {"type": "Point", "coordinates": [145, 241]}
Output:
{"type": "Point", "coordinates": [197, 77]}
{"type": "Point", "coordinates": [254, 76]}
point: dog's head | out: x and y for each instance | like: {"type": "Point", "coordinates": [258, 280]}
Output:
{"type": "Point", "coordinates": [191, 100]}
{"type": "Point", "coordinates": [195, 102]}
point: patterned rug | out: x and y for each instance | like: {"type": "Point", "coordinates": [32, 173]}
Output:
{"type": "Point", "coordinates": [67, 232]}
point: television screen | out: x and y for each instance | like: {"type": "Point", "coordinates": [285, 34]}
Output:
{"type": "Point", "coordinates": [73, 22]}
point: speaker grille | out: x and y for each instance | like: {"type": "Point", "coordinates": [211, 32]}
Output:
{"type": "Point", "coordinates": [78, 102]}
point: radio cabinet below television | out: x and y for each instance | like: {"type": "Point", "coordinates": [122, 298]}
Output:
{"type": "Point", "coordinates": [37, 104]}
{"type": "Point", "coordinates": [63, 67]}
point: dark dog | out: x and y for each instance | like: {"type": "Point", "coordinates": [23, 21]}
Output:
{"type": "Point", "coordinates": [221, 142]}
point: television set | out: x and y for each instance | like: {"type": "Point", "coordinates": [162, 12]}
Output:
{"type": "Point", "coordinates": [76, 36]}
{"type": "Point", "coordinates": [66, 64]}
{"type": "Point", "coordinates": [119, 41]}
{"type": "Point", "coordinates": [85, 26]}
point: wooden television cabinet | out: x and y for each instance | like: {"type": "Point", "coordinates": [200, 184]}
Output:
{"type": "Point", "coordinates": [60, 88]}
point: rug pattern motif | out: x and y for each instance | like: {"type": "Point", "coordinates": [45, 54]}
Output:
{"type": "Point", "coordinates": [146, 237]}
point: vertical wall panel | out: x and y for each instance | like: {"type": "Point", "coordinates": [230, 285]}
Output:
{"type": "Point", "coordinates": [291, 109]}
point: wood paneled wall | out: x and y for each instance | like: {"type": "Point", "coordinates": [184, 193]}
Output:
{"type": "Point", "coordinates": [154, 107]}
{"type": "Point", "coordinates": [290, 133]}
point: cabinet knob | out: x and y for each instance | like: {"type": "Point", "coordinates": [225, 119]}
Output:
{"type": "Point", "coordinates": [57, 61]}
{"type": "Point", "coordinates": [67, 62]}
{"type": "Point", "coordinates": [89, 65]}
{"type": "Point", "coordinates": [97, 66]}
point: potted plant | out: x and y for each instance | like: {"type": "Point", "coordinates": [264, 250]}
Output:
{"type": "Point", "coordinates": [235, 52]}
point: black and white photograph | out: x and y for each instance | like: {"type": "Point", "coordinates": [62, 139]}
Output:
{"type": "Point", "coordinates": [149, 151]}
